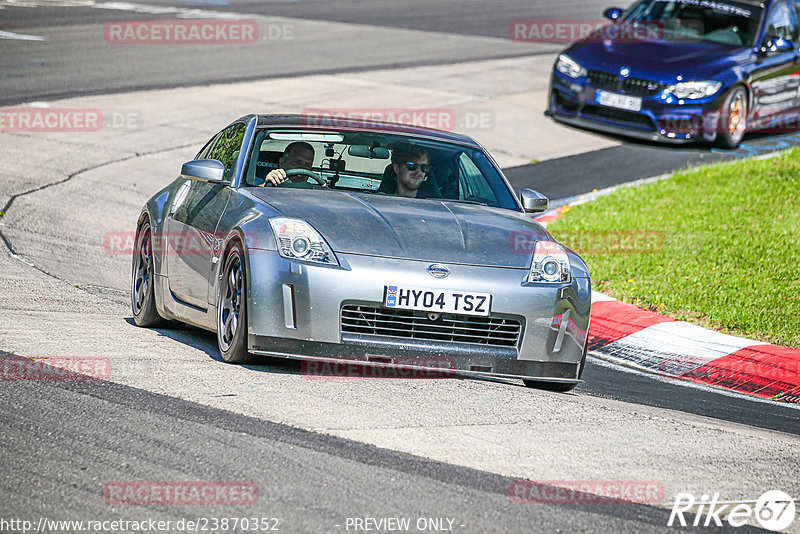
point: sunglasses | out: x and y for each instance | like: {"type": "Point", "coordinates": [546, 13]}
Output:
{"type": "Point", "coordinates": [413, 166]}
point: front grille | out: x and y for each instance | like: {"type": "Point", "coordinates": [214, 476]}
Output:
{"type": "Point", "coordinates": [603, 80]}
{"type": "Point", "coordinates": [637, 120]}
{"type": "Point", "coordinates": [639, 87]}
{"type": "Point", "coordinates": [375, 321]}
{"type": "Point", "coordinates": [629, 86]}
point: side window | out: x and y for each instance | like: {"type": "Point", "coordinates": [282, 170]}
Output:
{"type": "Point", "coordinates": [472, 184]}
{"type": "Point", "coordinates": [204, 151]}
{"type": "Point", "coordinates": [782, 23]}
{"type": "Point", "coordinates": [227, 146]}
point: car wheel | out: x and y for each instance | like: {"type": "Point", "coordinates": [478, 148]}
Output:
{"type": "Point", "coordinates": [559, 386]}
{"type": "Point", "coordinates": [733, 119]}
{"type": "Point", "coordinates": [143, 300]}
{"type": "Point", "coordinates": [232, 309]}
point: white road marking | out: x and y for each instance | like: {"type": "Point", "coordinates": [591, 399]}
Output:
{"type": "Point", "coordinates": [20, 36]}
{"type": "Point", "coordinates": [179, 12]}
{"type": "Point", "coordinates": [599, 297]}
{"type": "Point", "coordinates": [47, 3]}
{"type": "Point", "coordinates": [674, 346]}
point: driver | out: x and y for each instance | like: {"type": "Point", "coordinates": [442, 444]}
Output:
{"type": "Point", "coordinates": [297, 155]}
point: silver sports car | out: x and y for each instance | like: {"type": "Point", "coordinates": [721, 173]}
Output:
{"type": "Point", "coordinates": [349, 241]}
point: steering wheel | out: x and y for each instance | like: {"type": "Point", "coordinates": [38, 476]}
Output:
{"type": "Point", "coordinates": [311, 174]}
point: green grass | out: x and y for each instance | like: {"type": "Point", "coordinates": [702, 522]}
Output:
{"type": "Point", "coordinates": [718, 246]}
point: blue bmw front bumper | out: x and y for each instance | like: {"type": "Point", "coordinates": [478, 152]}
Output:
{"type": "Point", "coordinates": [661, 117]}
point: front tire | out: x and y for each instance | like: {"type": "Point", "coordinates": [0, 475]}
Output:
{"type": "Point", "coordinates": [733, 119]}
{"type": "Point", "coordinates": [560, 387]}
{"type": "Point", "coordinates": [232, 309]}
{"type": "Point", "coordinates": [143, 299]}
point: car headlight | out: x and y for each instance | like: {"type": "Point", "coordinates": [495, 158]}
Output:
{"type": "Point", "coordinates": [297, 240]}
{"type": "Point", "coordinates": [694, 90]}
{"type": "Point", "coordinates": [550, 263]}
{"type": "Point", "coordinates": [568, 66]}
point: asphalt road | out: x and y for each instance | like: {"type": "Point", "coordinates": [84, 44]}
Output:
{"type": "Point", "coordinates": [379, 449]}
{"type": "Point", "coordinates": [573, 175]}
{"type": "Point", "coordinates": [294, 40]}
{"type": "Point", "coordinates": [100, 433]}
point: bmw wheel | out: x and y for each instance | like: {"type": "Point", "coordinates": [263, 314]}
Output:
{"type": "Point", "coordinates": [733, 119]}
{"type": "Point", "coordinates": [232, 309]}
{"type": "Point", "coordinates": [143, 301]}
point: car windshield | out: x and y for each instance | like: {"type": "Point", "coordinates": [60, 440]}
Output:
{"type": "Point", "coordinates": [733, 23]}
{"type": "Point", "coordinates": [365, 162]}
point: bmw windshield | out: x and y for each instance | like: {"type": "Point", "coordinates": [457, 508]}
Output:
{"type": "Point", "coordinates": [732, 23]}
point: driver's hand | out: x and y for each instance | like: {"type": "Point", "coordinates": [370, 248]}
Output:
{"type": "Point", "coordinates": [275, 177]}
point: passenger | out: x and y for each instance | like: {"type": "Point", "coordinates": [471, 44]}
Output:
{"type": "Point", "coordinates": [297, 155]}
{"type": "Point", "coordinates": [411, 169]}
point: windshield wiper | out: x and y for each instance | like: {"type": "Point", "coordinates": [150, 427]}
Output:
{"type": "Point", "coordinates": [462, 201]}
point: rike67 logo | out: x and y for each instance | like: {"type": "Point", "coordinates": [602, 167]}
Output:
{"type": "Point", "coordinates": [774, 510]}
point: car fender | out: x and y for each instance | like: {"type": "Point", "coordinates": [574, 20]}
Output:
{"type": "Point", "coordinates": [254, 235]}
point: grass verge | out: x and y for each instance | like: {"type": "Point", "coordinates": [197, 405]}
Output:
{"type": "Point", "coordinates": [718, 246]}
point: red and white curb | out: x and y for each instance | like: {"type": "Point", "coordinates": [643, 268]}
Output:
{"type": "Point", "coordinates": [627, 335]}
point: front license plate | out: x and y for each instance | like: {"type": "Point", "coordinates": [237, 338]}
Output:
{"type": "Point", "coordinates": [437, 300]}
{"type": "Point", "coordinates": [614, 100]}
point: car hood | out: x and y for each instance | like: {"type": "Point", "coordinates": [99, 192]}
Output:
{"type": "Point", "coordinates": [658, 60]}
{"type": "Point", "coordinates": [426, 230]}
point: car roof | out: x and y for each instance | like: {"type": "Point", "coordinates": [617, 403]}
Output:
{"type": "Point", "coordinates": [328, 123]}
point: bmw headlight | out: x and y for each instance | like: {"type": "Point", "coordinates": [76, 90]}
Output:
{"type": "Point", "coordinates": [694, 90]}
{"type": "Point", "coordinates": [297, 240]}
{"type": "Point", "coordinates": [550, 263]}
{"type": "Point", "coordinates": [568, 66]}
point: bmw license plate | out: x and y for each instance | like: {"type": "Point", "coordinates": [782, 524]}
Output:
{"type": "Point", "coordinates": [437, 300]}
{"type": "Point", "coordinates": [614, 100]}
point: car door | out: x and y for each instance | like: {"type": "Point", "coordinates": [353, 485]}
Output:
{"type": "Point", "coordinates": [776, 78]}
{"type": "Point", "coordinates": [192, 222]}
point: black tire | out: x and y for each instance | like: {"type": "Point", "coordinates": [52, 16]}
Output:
{"type": "Point", "coordinates": [561, 387]}
{"type": "Point", "coordinates": [232, 308]}
{"type": "Point", "coordinates": [732, 119]}
{"type": "Point", "coordinates": [143, 299]}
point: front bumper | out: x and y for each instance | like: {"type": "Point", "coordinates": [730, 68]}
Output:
{"type": "Point", "coordinates": [661, 118]}
{"type": "Point", "coordinates": [295, 310]}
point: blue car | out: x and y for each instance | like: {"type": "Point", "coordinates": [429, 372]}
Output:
{"type": "Point", "coordinates": [684, 70]}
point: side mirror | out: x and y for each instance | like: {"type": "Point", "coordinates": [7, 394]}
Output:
{"type": "Point", "coordinates": [613, 13]}
{"type": "Point", "coordinates": [533, 201]}
{"type": "Point", "coordinates": [206, 170]}
{"type": "Point", "coordinates": [774, 46]}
